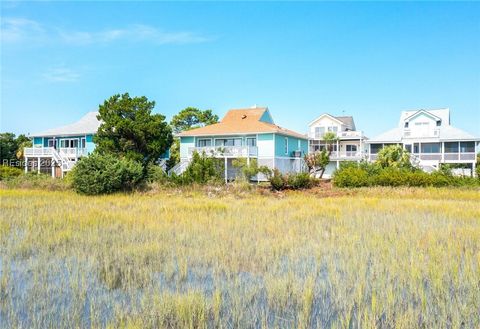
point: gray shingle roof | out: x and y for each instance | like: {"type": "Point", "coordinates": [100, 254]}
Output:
{"type": "Point", "coordinates": [347, 120]}
{"type": "Point", "coordinates": [88, 124]}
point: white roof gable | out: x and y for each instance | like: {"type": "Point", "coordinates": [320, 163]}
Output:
{"type": "Point", "coordinates": [325, 115]}
{"type": "Point", "coordinates": [443, 114]}
{"type": "Point", "coordinates": [88, 124]}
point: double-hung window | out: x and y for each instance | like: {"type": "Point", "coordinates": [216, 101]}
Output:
{"type": "Point", "coordinates": [204, 142]}
{"type": "Point", "coordinates": [251, 141]}
{"type": "Point", "coordinates": [228, 142]}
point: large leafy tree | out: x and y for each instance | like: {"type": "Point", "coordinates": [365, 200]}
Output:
{"type": "Point", "coordinates": [10, 147]}
{"type": "Point", "coordinates": [187, 119]}
{"type": "Point", "coordinates": [190, 118]}
{"type": "Point", "coordinates": [130, 130]}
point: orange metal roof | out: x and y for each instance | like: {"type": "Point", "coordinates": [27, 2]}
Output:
{"type": "Point", "coordinates": [241, 121]}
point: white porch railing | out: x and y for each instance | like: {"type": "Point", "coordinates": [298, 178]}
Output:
{"type": "Point", "coordinates": [339, 134]}
{"type": "Point", "coordinates": [346, 155]}
{"type": "Point", "coordinates": [225, 151]}
{"type": "Point", "coordinates": [38, 151]}
{"type": "Point", "coordinates": [69, 152]}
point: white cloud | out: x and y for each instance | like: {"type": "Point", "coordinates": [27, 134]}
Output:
{"type": "Point", "coordinates": [61, 74]}
{"type": "Point", "coordinates": [133, 33]}
{"type": "Point", "coordinates": [21, 30]}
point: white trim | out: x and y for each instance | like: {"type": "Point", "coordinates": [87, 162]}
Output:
{"type": "Point", "coordinates": [326, 114]}
{"type": "Point", "coordinates": [286, 145]}
{"type": "Point", "coordinates": [305, 137]}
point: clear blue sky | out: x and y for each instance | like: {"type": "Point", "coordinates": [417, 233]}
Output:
{"type": "Point", "coordinates": [370, 60]}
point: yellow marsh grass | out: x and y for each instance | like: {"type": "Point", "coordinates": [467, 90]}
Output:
{"type": "Point", "coordinates": [379, 258]}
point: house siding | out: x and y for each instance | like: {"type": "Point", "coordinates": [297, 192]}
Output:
{"type": "Point", "coordinates": [280, 141]}
{"type": "Point", "coordinates": [185, 143]}
{"type": "Point", "coordinates": [266, 146]}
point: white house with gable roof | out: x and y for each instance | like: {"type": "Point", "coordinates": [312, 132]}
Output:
{"type": "Point", "coordinates": [430, 138]}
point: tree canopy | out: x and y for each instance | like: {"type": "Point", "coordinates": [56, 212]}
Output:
{"type": "Point", "coordinates": [394, 156]}
{"type": "Point", "coordinates": [10, 147]}
{"type": "Point", "coordinates": [130, 130]}
{"type": "Point", "coordinates": [190, 118]}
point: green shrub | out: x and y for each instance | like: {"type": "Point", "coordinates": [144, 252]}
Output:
{"type": "Point", "coordinates": [350, 176]}
{"type": "Point", "coordinates": [299, 181]}
{"type": "Point", "coordinates": [295, 181]}
{"type": "Point", "coordinates": [364, 174]}
{"type": "Point", "coordinates": [248, 171]}
{"type": "Point", "coordinates": [278, 181]}
{"type": "Point", "coordinates": [7, 172]}
{"type": "Point", "coordinates": [155, 174]}
{"type": "Point", "coordinates": [101, 174]}
{"type": "Point", "coordinates": [390, 177]}
{"type": "Point", "coordinates": [202, 169]}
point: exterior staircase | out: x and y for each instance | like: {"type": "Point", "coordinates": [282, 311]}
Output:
{"type": "Point", "coordinates": [63, 161]}
{"type": "Point", "coordinates": [179, 168]}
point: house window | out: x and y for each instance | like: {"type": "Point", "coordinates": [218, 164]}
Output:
{"type": "Point", "coordinates": [204, 142]}
{"type": "Point", "coordinates": [286, 145]}
{"type": "Point", "coordinates": [408, 148]}
{"type": "Point", "coordinates": [333, 129]}
{"type": "Point", "coordinates": [83, 143]}
{"type": "Point", "coordinates": [251, 141]}
{"type": "Point", "coordinates": [431, 148]}
{"type": "Point", "coordinates": [406, 124]}
{"type": "Point", "coordinates": [319, 132]}
{"type": "Point", "coordinates": [374, 148]}
{"type": "Point", "coordinates": [69, 143]}
{"type": "Point", "coordinates": [439, 123]}
{"type": "Point", "coordinates": [416, 148]}
{"type": "Point", "coordinates": [228, 142]}
{"type": "Point", "coordinates": [451, 147]}
{"type": "Point", "coordinates": [351, 148]}
{"type": "Point", "coordinates": [51, 142]}
{"type": "Point", "coordinates": [467, 147]}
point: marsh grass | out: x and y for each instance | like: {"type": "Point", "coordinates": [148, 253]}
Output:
{"type": "Point", "coordinates": [388, 258]}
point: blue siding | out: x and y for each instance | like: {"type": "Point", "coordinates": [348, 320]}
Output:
{"type": "Point", "coordinates": [266, 117]}
{"type": "Point", "coordinates": [90, 145]}
{"type": "Point", "coordinates": [294, 144]}
{"type": "Point", "coordinates": [37, 141]}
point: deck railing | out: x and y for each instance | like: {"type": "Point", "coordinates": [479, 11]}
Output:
{"type": "Point", "coordinates": [465, 156]}
{"type": "Point", "coordinates": [225, 151]}
{"type": "Point", "coordinates": [68, 152]}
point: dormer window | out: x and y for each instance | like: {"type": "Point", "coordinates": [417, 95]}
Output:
{"type": "Point", "coordinates": [406, 124]}
{"type": "Point", "coordinates": [439, 123]}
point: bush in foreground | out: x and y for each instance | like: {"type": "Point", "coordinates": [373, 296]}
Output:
{"type": "Point", "coordinates": [7, 172]}
{"type": "Point", "coordinates": [102, 174]}
{"type": "Point", "coordinates": [295, 181]}
{"type": "Point", "coordinates": [368, 174]}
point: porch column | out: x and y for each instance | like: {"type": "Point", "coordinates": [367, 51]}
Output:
{"type": "Point", "coordinates": [38, 165]}
{"type": "Point", "coordinates": [443, 151]}
{"type": "Point", "coordinates": [26, 164]}
{"type": "Point", "coordinates": [53, 169]}
{"type": "Point", "coordinates": [226, 164]}
{"type": "Point", "coordinates": [338, 149]}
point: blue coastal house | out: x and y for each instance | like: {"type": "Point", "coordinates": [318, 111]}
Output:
{"type": "Point", "coordinates": [245, 133]}
{"type": "Point", "coordinates": [57, 150]}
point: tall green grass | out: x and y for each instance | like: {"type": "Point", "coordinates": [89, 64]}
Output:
{"type": "Point", "coordinates": [383, 258]}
